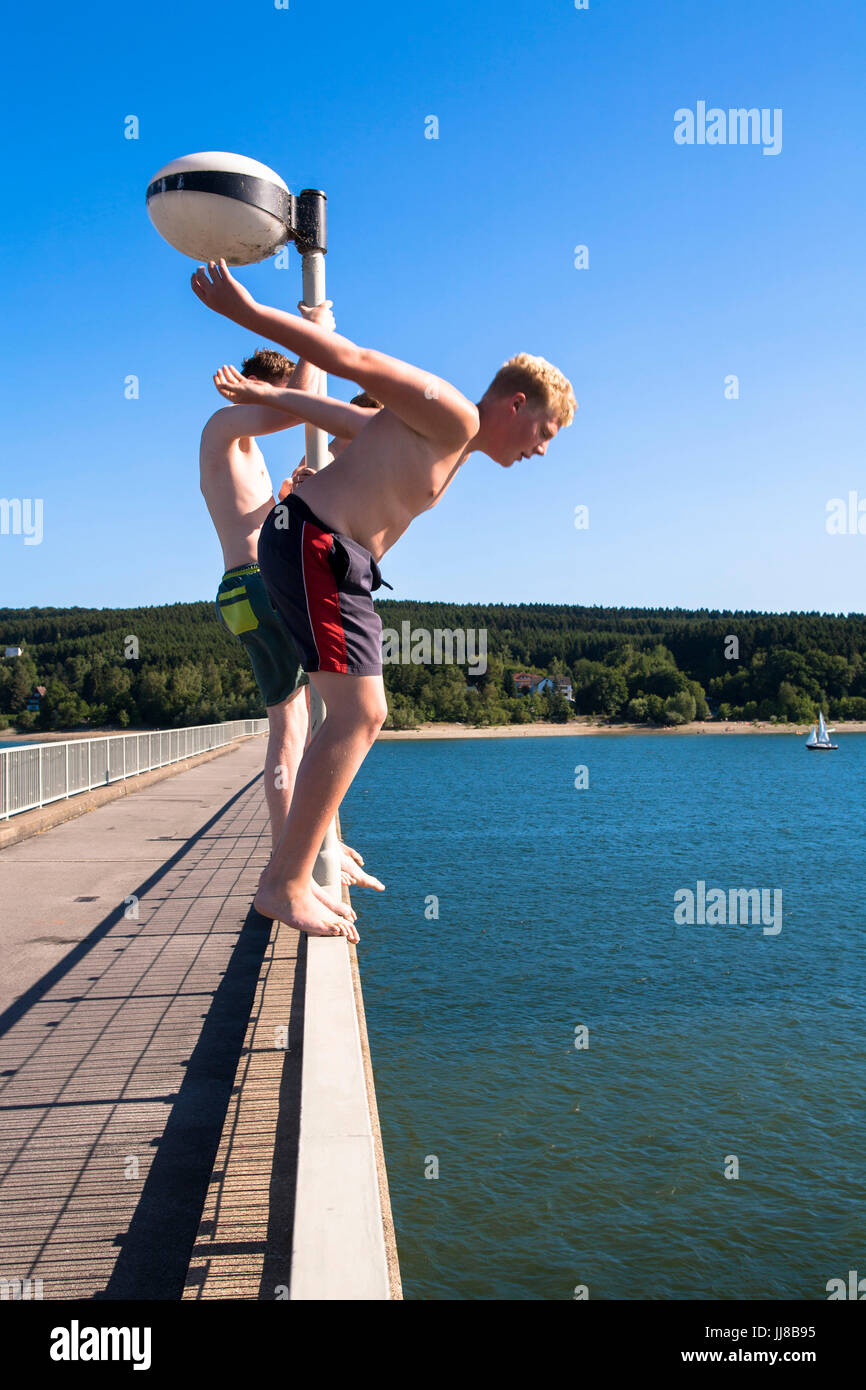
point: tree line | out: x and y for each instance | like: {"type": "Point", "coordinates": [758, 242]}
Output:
{"type": "Point", "coordinates": [176, 665]}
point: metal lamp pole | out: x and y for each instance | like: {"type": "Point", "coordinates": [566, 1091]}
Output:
{"type": "Point", "coordinates": [311, 240]}
{"type": "Point", "coordinates": [220, 204]}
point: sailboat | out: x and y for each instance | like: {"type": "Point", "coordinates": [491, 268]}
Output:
{"type": "Point", "coordinates": [820, 740]}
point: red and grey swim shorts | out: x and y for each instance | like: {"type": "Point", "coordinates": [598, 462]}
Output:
{"type": "Point", "coordinates": [321, 584]}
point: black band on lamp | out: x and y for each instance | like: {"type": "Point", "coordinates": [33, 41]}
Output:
{"type": "Point", "coordinates": [244, 188]}
{"type": "Point", "coordinates": [311, 221]}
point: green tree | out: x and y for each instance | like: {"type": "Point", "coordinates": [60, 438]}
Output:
{"type": "Point", "coordinates": [606, 692]}
{"type": "Point", "coordinates": [680, 708]}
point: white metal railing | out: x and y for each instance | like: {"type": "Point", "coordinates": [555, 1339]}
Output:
{"type": "Point", "coordinates": [44, 772]}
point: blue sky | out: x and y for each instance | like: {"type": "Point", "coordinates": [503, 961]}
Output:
{"type": "Point", "coordinates": [555, 129]}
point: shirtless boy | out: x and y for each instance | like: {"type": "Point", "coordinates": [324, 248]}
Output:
{"type": "Point", "coordinates": [335, 446]}
{"type": "Point", "coordinates": [319, 550]}
{"type": "Point", "coordinates": [238, 493]}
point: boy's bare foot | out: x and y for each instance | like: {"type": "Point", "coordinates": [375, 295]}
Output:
{"type": "Point", "coordinates": [351, 863]}
{"type": "Point", "coordinates": [333, 904]}
{"type": "Point", "coordinates": [342, 909]}
{"type": "Point", "coordinates": [299, 908]}
{"type": "Point", "coordinates": [353, 875]}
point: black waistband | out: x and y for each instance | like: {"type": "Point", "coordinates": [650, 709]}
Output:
{"type": "Point", "coordinates": [296, 504]}
{"type": "Point", "coordinates": [304, 513]}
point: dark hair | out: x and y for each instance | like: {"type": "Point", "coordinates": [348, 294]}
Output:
{"type": "Point", "coordinates": [367, 400]}
{"type": "Point", "coordinates": [267, 365]}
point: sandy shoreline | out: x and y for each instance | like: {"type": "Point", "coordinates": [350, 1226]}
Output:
{"type": "Point", "coordinates": [429, 731]}
{"type": "Point", "coordinates": [577, 728]}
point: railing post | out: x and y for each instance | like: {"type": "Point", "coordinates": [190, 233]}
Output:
{"type": "Point", "coordinates": [66, 746]}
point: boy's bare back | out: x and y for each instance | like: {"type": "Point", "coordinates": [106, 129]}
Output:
{"type": "Point", "coordinates": [236, 487]}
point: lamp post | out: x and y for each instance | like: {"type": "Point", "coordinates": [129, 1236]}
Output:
{"type": "Point", "coordinates": [311, 240]}
{"type": "Point", "coordinates": [216, 205]}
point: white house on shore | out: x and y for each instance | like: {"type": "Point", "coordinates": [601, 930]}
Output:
{"type": "Point", "coordinates": [530, 683]}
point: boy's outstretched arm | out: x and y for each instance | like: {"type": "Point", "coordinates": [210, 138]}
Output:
{"type": "Point", "coordinates": [244, 422]}
{"type": "Point", "coordinates": [254, 418]}
{"type": "Point", "coordinates": [425, 403]}
{"type": "Point", "coordinates": [337, 417]}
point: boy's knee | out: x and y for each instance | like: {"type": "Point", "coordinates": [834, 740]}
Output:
{"type": "Point", "coordinates": [372, 715]}
{"type": "Point", "coordinates": [378, 714]}
{"type": "Point", "coordinates": [355, 705]}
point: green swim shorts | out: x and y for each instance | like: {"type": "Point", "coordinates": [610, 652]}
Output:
{"type": "Point", "coordinates": [244, 608]}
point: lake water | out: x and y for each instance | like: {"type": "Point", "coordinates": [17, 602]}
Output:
{"type": "Point", "coordinates": [605, 1165]}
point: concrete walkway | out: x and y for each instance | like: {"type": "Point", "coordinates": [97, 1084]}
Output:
{"type": "Point", "coordinates": [131, 966]}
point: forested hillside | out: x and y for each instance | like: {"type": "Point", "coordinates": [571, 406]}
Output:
{"type": "Point", "coordinates": [175, 665]}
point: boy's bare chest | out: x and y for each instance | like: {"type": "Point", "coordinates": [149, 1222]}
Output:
{"type": "Point", "coordinates": [372, 493]}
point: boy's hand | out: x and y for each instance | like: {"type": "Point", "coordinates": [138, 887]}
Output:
{"type": "Point", "coordinates": [221, 292]}
{"type": "Point", "coordinates": [239, 389]}
{"type": "Point", "coordinates": [289, 484]}
{"type": "Point", "coordinates": [321, 314]}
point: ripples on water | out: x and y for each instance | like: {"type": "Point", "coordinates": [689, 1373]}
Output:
{"type": "Point", "coordinates": [604, 1167]}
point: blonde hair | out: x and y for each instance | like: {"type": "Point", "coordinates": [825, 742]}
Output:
{"type": "Point", "coordinates": [540, 382]}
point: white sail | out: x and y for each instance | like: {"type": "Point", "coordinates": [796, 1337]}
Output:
{"type": "Point", "coordinates": [820, 738]}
